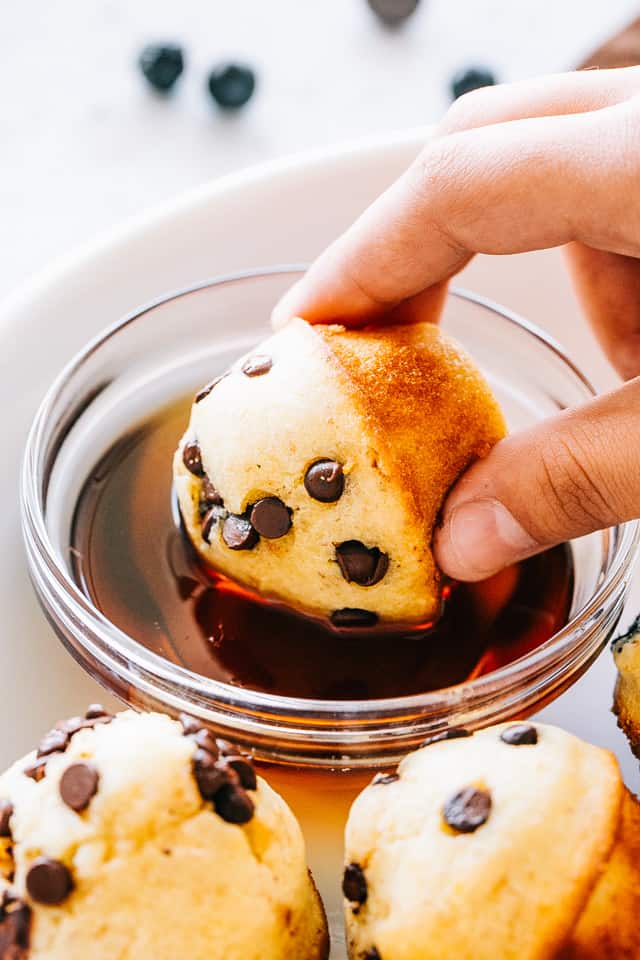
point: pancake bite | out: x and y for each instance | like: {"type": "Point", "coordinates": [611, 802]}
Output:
{"type": "Point", "coordinates": [313, 471]}
{"type": "Point", "coordinates": [519, 842]}
{"type": "Point", "coordinates": [141, 837]}
{"type": "Point", "coordinates": [626, 702]}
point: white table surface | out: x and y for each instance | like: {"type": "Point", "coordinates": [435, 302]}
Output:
{"type": "Point", "coordinates": [83, 144]}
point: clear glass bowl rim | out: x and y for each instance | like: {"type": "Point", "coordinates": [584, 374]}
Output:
{"type": "Point", "coordinates": [180, 688]}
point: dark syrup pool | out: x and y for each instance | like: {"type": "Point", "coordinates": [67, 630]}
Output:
{"type": "Point", "coordinates": [134, 562]}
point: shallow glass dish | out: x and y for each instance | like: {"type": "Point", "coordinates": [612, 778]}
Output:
{"type": "Point", "coordinates": [169, 348]}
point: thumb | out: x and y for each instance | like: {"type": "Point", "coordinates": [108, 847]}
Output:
{"type": "Point", "coordinates": [565, 477]}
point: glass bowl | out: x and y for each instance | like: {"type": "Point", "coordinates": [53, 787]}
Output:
{"type": "Point", "coordinates": [319, 752]}
{"type": "Point", "coordinates": [170, 347]}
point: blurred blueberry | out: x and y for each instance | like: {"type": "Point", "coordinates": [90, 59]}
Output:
{"type": "Point", "coordinates": [393, 11]}
{"type": "Point", "coordinates": [231, 85]}
{"type": "Point", "coordinates": [162, 64]}
{"type": "Point", "coordinates": [470, 79]}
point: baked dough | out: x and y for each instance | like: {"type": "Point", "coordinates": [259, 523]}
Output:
{"type": "Point", "coordinates": [518, 843]}
{"type": "Point", "coordinates": [313, 472]}
{"type": "Point", "coordinates": [125, 839]}
{"type": "Point", "coordinates": [626, 703]}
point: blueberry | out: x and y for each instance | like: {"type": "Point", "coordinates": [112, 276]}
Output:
{"type": "Point", "coordinates": [162, 64]}
{"type": "Point", "coordinates": [471, 78]}
{"type": "Point", "coordinates": [393, 11]}
{"type": "Point", "coordinates": [231, 85]}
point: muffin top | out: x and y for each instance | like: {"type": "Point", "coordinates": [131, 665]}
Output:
{"type": "Point", "coordinates": [492, 839]}
{"type": "Point", "coordinates": [140, 836]}
{"type": "Point", "coordinates": [313, 471]}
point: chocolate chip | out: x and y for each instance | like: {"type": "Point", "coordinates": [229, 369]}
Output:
{"type": "Point", "coordinates": [228, 749]}
{"type": "Point", "coordinates": [324, 481]}
{"type": "Point", "coordinates": [233, 804]}
{"type": "Point", "coordinates": [244, 768]}
{"type": "Point", "coordinates": [189, 724]}
{"type": "Point", "coordinates": [354, 883]}
{"type": "Point", "coordinates": [520, 734]}
{"type": "Point", "coordinates": [100, 721]}
{"type": "Point", "coordinates": [6, 812]}
{"type": "Point", "coordinates": [209, 494]}
{"type": "Point", "coordinates": [74, 724]}
{"type": "Point", "coordinates": [383, 778]}
{"type": "Point", "coordinates": [467, 810]}
{"type": "Point", "coordinates": [210, 776]}
{"type": "Point", "coordinates": [192, 458]}
{"type": "Point", "coordinates": [206, 741]}
{"type": "Point", "coordinates": [209, 513]}
{"type": "Point", "coordinates": [49, 881]}
{"type": "Point", "coordinates": [208, 523]}
{"type": "Point", "coordinates": [56, 741]}
{"type": "Point", "coordinates": [35, 771]}
{"type": "Point", "coordinates": [257, 366]}
{"type": "Point", "coordinates": [15, 926]}
{"type": "Point", "coordinates": [352, 617]}
{"type": "Point", "coordinates": [271, 518]}
{"type": "Point", "coordinates": [238, 534]}
{"type": "Point", "coordinates": [78, 784]}
{"type": "Point", "coordinates": [96, 712]}
{"type": "Point", "coordinates": [202, 394]}
{"type": "Point", "coordinates": [362, 565]}
{"type": "Point", "coordinates": [232, 772]}
{"type": "Point", "coordinates": [453, 733]}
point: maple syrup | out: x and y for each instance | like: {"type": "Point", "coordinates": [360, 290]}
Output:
{"type": "Point", "coordinates": [134, 562]}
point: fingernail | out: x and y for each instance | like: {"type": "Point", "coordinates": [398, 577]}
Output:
{"type": "Point", "coordinates": [480, 537]}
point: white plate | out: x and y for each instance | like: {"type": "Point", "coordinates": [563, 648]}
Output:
{"type": "Point", "coordinates": [284, 212]}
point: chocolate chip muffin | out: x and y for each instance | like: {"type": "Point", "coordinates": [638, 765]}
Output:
{"type": "Point", "coordinates": [142, 837]}
{"type": "Point", "coordinates": [519, 842]}
{"type": "Point", "coordinates": [313, 471]}
{"type": "Point", "coordinates": [626, 702]}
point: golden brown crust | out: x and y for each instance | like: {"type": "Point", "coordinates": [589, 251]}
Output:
{"type": "Point", "coordinates": [608, 927]}
{"type": "Point", "coordinates": [626, 698]}
{"type": "Point", "coordinates": [626, 720]}
{"type": "Point", "coordinates": [585, 891]}
{"type": "Point", "coordinates": [423, 400]}
{"type": "Point", "coordinates": [322, 941]}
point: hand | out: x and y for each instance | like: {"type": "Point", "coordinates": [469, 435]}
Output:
{"type": "Point", "coordinates": [515, 168]}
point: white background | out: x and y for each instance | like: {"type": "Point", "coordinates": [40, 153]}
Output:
{"type": "Point", "coordinates": [83, 143]}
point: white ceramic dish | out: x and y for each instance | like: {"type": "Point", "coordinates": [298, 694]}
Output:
{"type": "Point", "coordinates": [281, 213]}
{"type": "Point", "coordinates": [284, 212]}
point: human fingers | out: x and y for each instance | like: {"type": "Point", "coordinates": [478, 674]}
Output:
{"type": "Point", "coordinates": [503, 188]}
{"type": "Point", "coordinates": [565, 477]}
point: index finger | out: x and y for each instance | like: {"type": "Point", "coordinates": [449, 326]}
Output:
{"type": "Point", "coordinates": [504, 188]}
